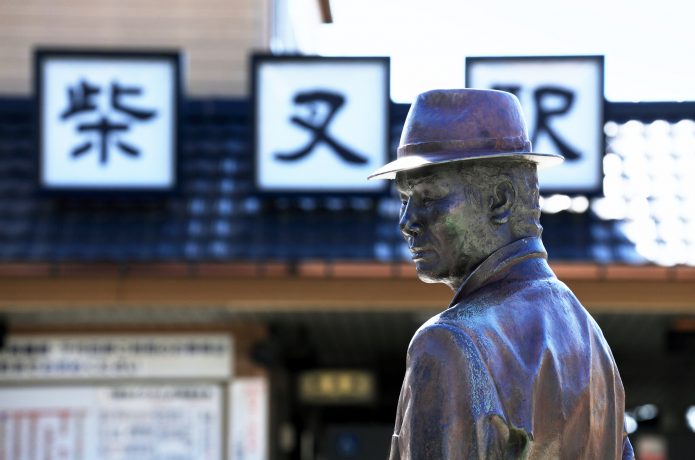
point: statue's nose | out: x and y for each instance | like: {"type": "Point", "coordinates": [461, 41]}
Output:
{"type": "Point", "coordinates": [408, 222]}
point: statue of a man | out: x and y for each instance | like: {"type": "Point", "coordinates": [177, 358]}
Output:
{"type": "Point", "coordinates": [515, 367]}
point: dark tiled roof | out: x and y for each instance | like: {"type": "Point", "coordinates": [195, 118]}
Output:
{"type": "Point", "coordinates": [218, 216]}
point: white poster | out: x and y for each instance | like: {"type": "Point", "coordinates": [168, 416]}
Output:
{"type": "Point", "coordinates": [562, 98]}
{"type": "Point", "coordinates": [126, 422]}
{"type": "Point", "coordinates": [248, 410]}
{"type": "Point", "coordinates": [44, 357]}
{"type": "Point", "coordinates": [107, 121]}
{"type": "Point", "coordinates": [321, 123]}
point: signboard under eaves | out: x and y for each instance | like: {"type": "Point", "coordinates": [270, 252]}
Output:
{"type": "Point", "coordinates": [107, 120]}
{"type": "Point", "coordinates": [562, 98]}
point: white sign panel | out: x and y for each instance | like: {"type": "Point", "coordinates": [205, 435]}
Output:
{"type": "Point", "coordinates": [562, 98]}
{"type": "Point", "coordinates": [111, 423]}
{"type": "Point", "coordinates": [248, 439]}
{"type": "Point", "coordinates": [107, 121]}
{"type": "Point", "coordinates": [322, 124]}
{"type": "Point", "coordinates": [70, 357]}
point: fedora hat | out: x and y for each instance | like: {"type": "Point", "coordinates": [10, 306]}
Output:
{"type": "Point", "coordinates": [450, 125]}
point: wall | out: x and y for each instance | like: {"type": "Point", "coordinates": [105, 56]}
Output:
{"type": "Point", "coordinates": [216, 35]}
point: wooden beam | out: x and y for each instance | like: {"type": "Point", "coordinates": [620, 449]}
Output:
{"type": "Point", "coordinates": [319, 287]}
{"type": "Point", "coordinates": [326, 13]}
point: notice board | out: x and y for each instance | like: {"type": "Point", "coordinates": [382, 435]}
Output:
{"type": "Point", "coordinates": [114, 422]}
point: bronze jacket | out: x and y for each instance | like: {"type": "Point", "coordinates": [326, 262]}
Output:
{"type": "Point", "coordinates": [514, 368]}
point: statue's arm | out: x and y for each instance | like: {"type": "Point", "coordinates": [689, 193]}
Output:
{"type": "Point", "coordinates": [449, 404]}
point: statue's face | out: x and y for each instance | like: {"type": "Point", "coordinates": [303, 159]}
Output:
{"type": "Point", "coordinates": [446, 230]}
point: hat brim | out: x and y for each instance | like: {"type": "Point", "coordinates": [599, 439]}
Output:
{"type": "Point", "coordinates": [407, 163]}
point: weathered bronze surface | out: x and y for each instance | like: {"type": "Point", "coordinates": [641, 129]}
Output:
{"type": "Point", "coordinates": [515, 367]}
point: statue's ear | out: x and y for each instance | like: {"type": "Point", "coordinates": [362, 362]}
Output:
{"type": "Point", "coordinates": [502, 201]}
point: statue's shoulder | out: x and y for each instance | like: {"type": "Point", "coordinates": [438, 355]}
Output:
{"type": "Point", "coordinates": [443, 337]}
{"type": "Point", "coordinates": [441, 353]}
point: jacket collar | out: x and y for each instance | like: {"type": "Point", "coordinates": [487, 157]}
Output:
{"type": "Point", "coordinates": [499, 263]}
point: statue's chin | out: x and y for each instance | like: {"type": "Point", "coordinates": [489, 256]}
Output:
{"type": "Point", "coordinates": [434, 276]}
{"type": "Point", "coordinates": [432, 269]}
{"type": "Point", "coordinates": [427, 277]}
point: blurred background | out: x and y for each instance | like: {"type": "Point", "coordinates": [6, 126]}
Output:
{"type": "Point", "coordinates": [192, 265]}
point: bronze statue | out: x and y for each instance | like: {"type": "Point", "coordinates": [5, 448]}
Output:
{"type": "Point", "coordinates": [515, 367]}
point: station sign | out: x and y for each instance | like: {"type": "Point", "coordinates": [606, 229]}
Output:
{"type": "Point", "coordinates": [337, 386]}
{"type": "Point", "coordinates": [321, 123]}
{"type": "Point", "coordinates": [563, 102]}
{"type": "Point", "coordinates": [107, 120]}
